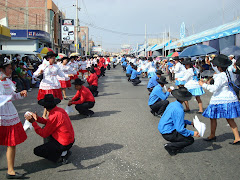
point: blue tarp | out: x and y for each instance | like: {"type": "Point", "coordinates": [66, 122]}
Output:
{"type": "Point", "coordinates": [157, 47]}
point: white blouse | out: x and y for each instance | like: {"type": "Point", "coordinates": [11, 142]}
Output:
{"type": "Point", "coordinates": [73, 67]}
{"type": "Point", "coordinates": [188, 78]}
{"type": "Point", "coordinates": [222, 94]}
{"type": "Point", "coordinates": [179, 70]}
{"type": "Point", "coordinates": [66, 70]}
{"type": "Point", "coordinates": [8, 113]}
{"type": "Point", "coordinates": [50, 73]}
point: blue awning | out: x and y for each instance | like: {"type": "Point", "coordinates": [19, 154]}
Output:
{"type": "Point", "coordinates": [211, 34]}
{"type": "Point", "coordinates": [160, 46]}
{"type": "Point", "coordinates": [151, 47]}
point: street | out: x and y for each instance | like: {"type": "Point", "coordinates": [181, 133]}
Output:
{"type": "Point", "coordinates": [122, 141]}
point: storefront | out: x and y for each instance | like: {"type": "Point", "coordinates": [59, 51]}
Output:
{"type": "Point", "coordinates": [4, 35]}
{"type": "Point", "coordinates": [27, 40]}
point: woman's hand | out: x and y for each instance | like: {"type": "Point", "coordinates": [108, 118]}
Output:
{"type": "Point", "coordinates": [23, 93]}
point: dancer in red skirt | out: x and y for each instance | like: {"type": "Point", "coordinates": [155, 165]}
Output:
{"type": "Point", "coordinates": [11, 129]}
{"type": "Point", "coordinates": [65, 81]}
{"type": "Point", "coordinates": [74, 67]}
{"type": "Point", "coordinates": [50, 83]}
{"type": "Point", "coordinates": [83, 67]}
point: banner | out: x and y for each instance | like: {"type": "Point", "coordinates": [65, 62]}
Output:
{"type": "Point", "coordinates": [68, 31]}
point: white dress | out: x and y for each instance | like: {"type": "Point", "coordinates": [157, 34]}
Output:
{"type": "Point", "coordinates": [191, 84]}
{"type": "Point", "coordinates": [11, 129]}
{"type": "Point", "coordinates": [66, 70]}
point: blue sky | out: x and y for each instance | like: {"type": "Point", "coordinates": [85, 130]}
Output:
{"type": "Point", "coordinates": [130, 16]}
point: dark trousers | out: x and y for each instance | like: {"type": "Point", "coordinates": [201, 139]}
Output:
{"type": "Point", "coordinates": [171, 76]}
{"type": "Point", "coordinates": [177, 140]}
{"type": "Point", "coordinates": [26, 83]}
{"type": "Point", "coordinates": [114, 65]}
{"type": "Point", "coordinates": [129, 76]}
{"type": "Point", "coordinates": [136, 81]}
{"type": "Point", "coordinates": [93, 90]}
{"type": "Point", "coordinates": [124, 68]}
{"type": "Point", "coordinates": [159, 106]}
{"type": "Point", "coordinates": [108, 67]}
{"type": "Point", "coordinates": [102, 71]}
{"type": "Point", "coordinates": [51, 149]}
{"type": "Point", "coordinates": [84, 108]}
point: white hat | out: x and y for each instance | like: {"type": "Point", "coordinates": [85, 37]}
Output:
{"type": "Point", "coordinates": [170, 59]}
{"type": "Point", "coordinates": [231, 55]}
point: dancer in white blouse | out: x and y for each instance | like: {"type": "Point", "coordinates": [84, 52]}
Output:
{"type": "Point", "coordinates": [179, 71]}
{"type": "Point", "coordinates": [191, 84]}
{"type": "Point", "coordinates": [49, 83]}
{"type": "Point", "coordinates": [65, 81]}
{"type": "Point", "coordinates": [224, 102]}
{"type": "Point", "coordinates": [74, 66]}
{"type": "Point", "coordinates": [83, 67]}
{"type": "Point", "coordinates": [11, 129]}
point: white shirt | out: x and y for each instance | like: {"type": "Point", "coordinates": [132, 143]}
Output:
{"type": "Point", "coordinates": [220, 89]}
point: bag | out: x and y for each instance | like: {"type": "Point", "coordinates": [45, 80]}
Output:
{"type": "Point", "coordinates": [69, 109]}
{"type": "Point", "coordinates": [27, 125]}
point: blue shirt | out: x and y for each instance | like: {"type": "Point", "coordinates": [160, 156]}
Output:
{"type": "Point", "coordinates": [153, 81]}
{"type": "Point", "coordinates": [124, 64]}
{"type": "Point", "coordinates": [169, 65]}
{"type": "Point", "coordinates": [135, 74]}
{"type": "Point", "coordinates": [173, 119]}
{"type": "Point", "coordinates": [129, 69]}
{"type": "Point", "coordinates": [114, 60]}
{"type": "Point", "coordinates": [123, 59]}
{"type": "Point", "coordinates": [157, 94]}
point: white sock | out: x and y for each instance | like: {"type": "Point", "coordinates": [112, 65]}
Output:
{"type": "Point", "coordinates": [64, 153]}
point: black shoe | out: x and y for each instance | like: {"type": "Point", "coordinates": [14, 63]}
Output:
{"type": "Point", "coordinates": [159, 115]}
{"type": "Point", "coordinates": [187, 110]}
{"type": "Point", "coordinates": [153, 112]}
{"type": "Point", "coordinates": [235, 143]}
{"type": "Point", "coordinates": [66, 98]}
{"type": "Point", "coordinates": [16, 176]}
{"type": "Point", "coordinates": [90, 114]}
{"type": "Point", "coordinates": [64, 159]}
{"type": "Point", "coordinates": [209, 140]}
{"type": "Point", "coordinates": [199, 112]}
{"type": "Point", "coordinates": [169, 150]}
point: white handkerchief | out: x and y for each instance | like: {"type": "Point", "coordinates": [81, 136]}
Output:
{"type": "Point", "coordinates": [27, 125]}
{"type": "Point", "coordinates": [4, 99]}
{"type": "Point", "coordinates": [69, 109]}
{"type": "Point", "coordinates": [201, 127]}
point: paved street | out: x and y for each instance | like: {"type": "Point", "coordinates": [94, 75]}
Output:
{"type": "Point", "coordinates": [121, 141]}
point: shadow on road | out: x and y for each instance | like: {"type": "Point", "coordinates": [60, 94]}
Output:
{"type": "Point", "coordinates": [108, 94]}
{"type": "Point", "coordinates": [105, 113]}
{"type": "Point", "coordinates": [78, 154]}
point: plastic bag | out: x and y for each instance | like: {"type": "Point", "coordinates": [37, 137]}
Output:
{"type": "Point", "coordinates": [69, 109]}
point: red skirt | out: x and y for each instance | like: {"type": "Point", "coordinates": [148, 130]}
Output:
{"type": "Point", "coordinates": [12, 135]}
{"type": "Point", "coordinates": [57, 93]}
{"type": "Point", "coordinates": [83, 71]}
{"type": "Point", "coordinates": [65, 84]}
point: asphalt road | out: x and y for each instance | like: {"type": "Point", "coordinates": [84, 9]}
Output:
{"type": "Point", "coordinates": [121, 141]}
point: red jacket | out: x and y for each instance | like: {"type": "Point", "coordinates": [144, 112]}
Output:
{"type": "Point", "coordinates": [58, 125]}
{"type": "Point", "coordinates": [92, 80]}
{"type": "Point", "coordinates": [84, 94]}
{"type": "Point", "coordinates": [98, 72]}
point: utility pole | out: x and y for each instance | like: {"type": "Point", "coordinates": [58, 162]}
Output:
{"type": "Point", "coordinates": [145, 40]}
{"type": "Point", "coordinates": [223, 11]}
{"type": "Point", "coordinates": [77, 26]}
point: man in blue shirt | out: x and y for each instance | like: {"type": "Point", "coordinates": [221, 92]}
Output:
{"type": "Point", "coordinates": [135, 80]}
{"type": "Point", "coordinates": [124, 65]}
{"type": "Point", "coordinates": [129, 70]}
{"type": "Point", "coordinates": [114, 61]}
{"type": "Point", "coordinates": [158, 99]}
{"type": "Point", "coordinates": [172, 123]}
{"type": "Point", "coordinates": [153, 80]}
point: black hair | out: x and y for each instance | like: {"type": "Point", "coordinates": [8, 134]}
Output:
{"type": "Point", "coordinates": [21, 64]}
